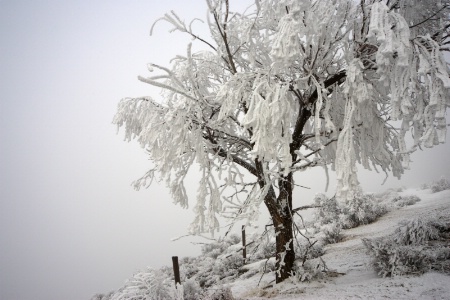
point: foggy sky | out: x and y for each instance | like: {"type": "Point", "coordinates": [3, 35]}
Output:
{"type": "Point", "coordinates": [70, 223]}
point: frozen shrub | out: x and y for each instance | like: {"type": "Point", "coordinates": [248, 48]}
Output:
{"type": "Point", "coordinates": [267, 266]}
{"type": "Point", "coordinates": [391, 259]}
{"type": "Point", "coordinates": [308, 250]}
{"type": "Point", "coordinates": [264, 246]}
{"type": "Point", "coordinates": [215, 249]}
{"type": "Point", "coordinates": [441, 259]}
{"type": "Point", "coordinates": [149, 284]}
{"type": "Point", "coordinates": [401, 201]}
{"type": "Point", "coordinates": [219, 260]}
{"type": "Point", "coordinates": [213, 271]}
{"type": "Point", "coordinates": [424, 186]}
{"type": "Point", "coordinates": [188, 267]}
{"type": "Point", "coordinates": [416, 232]}
{"type": "Point", "coordinates": [328, 209]}
{"type": "Point", "coordinates": [228, 266]}
{"type": "Point", "coordinates": [414, 248]}
{"type": "Point", "coordinates": [191, 290]}
{"type": "Point", "coordinates": [363, 209]}
{"type": "Point", "coordinates": [310, 270]}
{"type": "Point", "coordinates": [399, 189]}
{"type": "Point", "coordinates": [264, 250]}
{"type": "Point", "coordinates": [440, 185]}
{"type": "Point", "coordinates": [437, 186]}
{"type": "Point", "coordinates": [332, 233]}
{"type": "Point", "coordinates": [411, 199]}
{"type": "Point", "coordinates": [205, 276]}
{"type": "Point", "coordinates": [102, 296]}
{"type": "Point", "coordinates": [223, 293]}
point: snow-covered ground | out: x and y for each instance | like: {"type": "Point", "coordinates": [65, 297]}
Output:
{"type": "Point", "coordinates": [354, 277]}
{"type": "Point", "coordinates": [350, 274]}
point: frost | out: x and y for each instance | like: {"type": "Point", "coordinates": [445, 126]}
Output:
{"type": "Point", "coordinates": [286, 86]}
{"type": "Point", "coordinates": [150, 284]}
{"type": "Point", "coordinates": [416, 246]}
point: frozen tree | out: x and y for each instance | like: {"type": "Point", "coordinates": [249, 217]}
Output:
{"type": "Point", "coordinates": [286, 86]}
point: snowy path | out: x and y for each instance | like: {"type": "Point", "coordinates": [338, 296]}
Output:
{"type": "Point", "coordinates": [360, 280]}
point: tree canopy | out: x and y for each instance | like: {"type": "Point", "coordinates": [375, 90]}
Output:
{"type": "Point", "coordinates": [289, 85]}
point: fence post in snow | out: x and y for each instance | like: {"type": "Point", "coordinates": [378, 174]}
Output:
{"type": "Point", "coordinates": [176, 270]}
{"type": "Point", "coordinates": [244, 249]}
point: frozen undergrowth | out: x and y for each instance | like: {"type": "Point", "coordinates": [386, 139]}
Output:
{"type": "Point", "coordinates": [438, 185]}
{"type": "Point", "coordinates": [417, 246]}
{"type": "Point", "coordinates": [331, 217]}
{"type": "Point", "coordinates": [220, 273]}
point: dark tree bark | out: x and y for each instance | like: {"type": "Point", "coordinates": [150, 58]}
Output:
{"type": "Point", "coordinates": [280, 209]}
{"type": "Point", "coordinates": [285, 249]}
{"type": "Point", "coordinates": [283, 222]}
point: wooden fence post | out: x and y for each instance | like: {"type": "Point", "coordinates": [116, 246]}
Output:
{"type": "Point", "coordinates": [176, 270]}
{"type": "Point", "coordinates": [244, 247]}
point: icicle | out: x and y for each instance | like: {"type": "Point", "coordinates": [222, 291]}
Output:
{"type": "Point", "coordinates": [441, 129]}
{"type": "Point", "coordinates": [319, 102]}
{"type": "Point", "coordinates": [329, 125]}
{"type": "Point", "coordinates": [286, 45]}
{"type": "Point", "coordinates": [347, 181]}
{"type": "Point", "coordinates": [378, 21]}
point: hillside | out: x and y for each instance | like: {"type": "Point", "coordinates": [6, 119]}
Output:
{"type": "Point", "coordinates": [355, 277]}
{"type": "Point", "coordinates": [349, 272]}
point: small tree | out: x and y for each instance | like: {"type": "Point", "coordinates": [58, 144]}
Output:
{"type": "Point", "coordinates": [290, 85]}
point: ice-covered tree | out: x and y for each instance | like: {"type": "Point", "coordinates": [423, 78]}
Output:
{"type": "Point", "coordinates": [289, 85]}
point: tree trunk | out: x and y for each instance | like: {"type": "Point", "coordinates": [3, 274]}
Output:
{"type": "Point", "coordinates": [283, 223]}
{"type": "Point", "coordinates": [285, 254]}
{"type": "Point", "coordinates": [280, 209]}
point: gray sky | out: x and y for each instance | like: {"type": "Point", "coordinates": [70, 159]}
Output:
{"type": "Point", "coordinates": [70, 223]}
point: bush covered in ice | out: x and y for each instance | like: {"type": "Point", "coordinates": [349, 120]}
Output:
{"type": "Point", "coordinates": [392, 199]}
{"type": "Point", "coordinates": [401, 201]}
{"type": "Point", "coordinates": [215, 249]}
{"type": "Point", "coordinates": [192, 290]}
{"type": "Point", "coordinates": [437, 186]}
{"type": "Point", "coordinates": [327, 210]}
{"type": "Point", "coordinates": [148, 284]}
{"type": "Point", "coordinates": [308, 249]}
{"type": "Point", "coordinates": [332, 233]}
{"type": "Point", "coordinates": [265, 247]}
{"type": "Point", "coordinates": [363, 209]}
{"type": "Point", "coordinates": [440, 185]}
{"type": "Point", "coordinates": [228, 266]}
{"type": "Point", "coordinates": [331, 217]}
{"type": "Point", "coordinates": [310, 270]}
{"type": "Point", "coordinates": [415, 247]}
{"type": "Point", "coordinates": [102, 296]}
{"type": "Point", "coordinates": [222, 293]}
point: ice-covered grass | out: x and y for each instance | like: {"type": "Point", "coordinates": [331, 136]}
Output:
{"type": "Point", "coordinates": [343, 270]}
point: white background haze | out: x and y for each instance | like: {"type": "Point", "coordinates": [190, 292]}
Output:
{"type": "Point", "coordinates": [70, 223]}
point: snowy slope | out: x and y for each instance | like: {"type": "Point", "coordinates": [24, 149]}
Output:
{"type": "Point", "coordinates": [355, 278]}
{"type": "Point", "coordinates": [350, 274]}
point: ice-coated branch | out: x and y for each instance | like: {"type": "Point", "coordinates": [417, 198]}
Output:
{"type": "Point", "coordinates": [286, 87]}
{"type": "Point", "coordinates": [181, 26]}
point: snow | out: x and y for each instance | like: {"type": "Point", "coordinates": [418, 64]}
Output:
{"type": "Point", "coordinates": [350, 274]}
{"type": "Point", "coordinates": [253, 94]}
{"type": "Point", "coordinates": [354, 278]}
